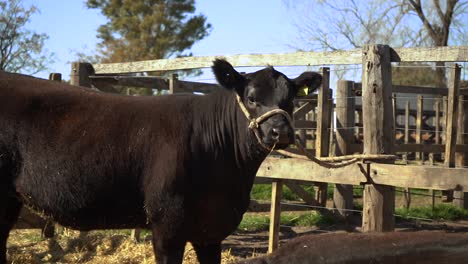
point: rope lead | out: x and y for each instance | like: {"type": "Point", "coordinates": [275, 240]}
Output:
{"type": "Point", "coordinates": [329, 162]}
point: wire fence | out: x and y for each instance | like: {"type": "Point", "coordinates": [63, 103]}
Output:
{"type": "Point", "coordinates": [406, 216]}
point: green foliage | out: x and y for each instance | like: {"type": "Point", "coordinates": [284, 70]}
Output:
{"type": "Point", "coordinates": [255, 223]}
{"type": "Point", "coordinates": [440, 212]}
{"type": "Point", "coordinates": [417, 76]}
{"type": "Point", "coordinates": [152, 29]}
{"type": "Point", "coordinates": [263, 192]}
{"type": "Point", "coordinates": [21, 50]}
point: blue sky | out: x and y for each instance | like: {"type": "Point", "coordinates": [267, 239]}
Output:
{"type": "Point", "coordinates": [241, 26]}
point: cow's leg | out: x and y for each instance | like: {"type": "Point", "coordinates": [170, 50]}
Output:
{"type": "Point", "coordinates": [167, 250]}
{"type": "Point", "coordinates": [10, 208]}
{"type": "Point", "coordinates": [208, 253]}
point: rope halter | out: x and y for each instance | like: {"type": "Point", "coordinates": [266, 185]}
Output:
{"type": "Point", "coordinates": [254, 123]}
{"type": "Point", "coordinates": [329, 162]}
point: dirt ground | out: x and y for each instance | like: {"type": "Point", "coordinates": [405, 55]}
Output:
{"type": "Point", "coordinates": [27, 247]}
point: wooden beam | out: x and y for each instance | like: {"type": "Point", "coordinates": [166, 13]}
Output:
{"type": "Point", "coordinates": [151, 82]}
{"type": "Point", "coordinates": [304, 109]}
{"type": "Point", "coordinates": [435, 148]}
{"type": "Point", "coordinates": [419, 116]}
{"type": "Point", "coordinates": [304, 124]}
{"type": "Point", "coordinates": [378, 200]}
{"type": "Point", "coordinates": [299, 169]}
{"type": "Point", "coordinates": [416, 89]}
{"type": "Point", "coordinates": [446, 54]}
{"type": "Point", "coordinates": [461, 197]}
{"type": "Point", "coordinates": [322, 143]}
{"type": "Point", "coordinates": [345, 102]}
{"type": "Point", "coordinates": [247, 60]}
{"type": "Point", "coordinates": [275, 215]}
{"type": "Point", "coordinates": [416, 176]}
{"type": "Point", "coordinates": [80, 73]}
{"type": "Point", "coordinates": [303, 194]}
{"type": "Point", "coordinates": [452, 108]}
{"type": "Point", "coordinates": [412, 176]}
{"type": "Point", "coordinates": [434, 54]}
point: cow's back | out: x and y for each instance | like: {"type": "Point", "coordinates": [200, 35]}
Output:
{"type": "Point", "coordinates": [80, 155]}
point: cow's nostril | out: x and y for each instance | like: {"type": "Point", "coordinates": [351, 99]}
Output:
{"type": "Point", "coordinates": [275, 133]}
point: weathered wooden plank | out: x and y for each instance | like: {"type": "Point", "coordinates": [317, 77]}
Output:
{"type": "Point", "coordinates": [419, 115]}
{"type": "Point", "coordinates": [412, 176]}
{"type": "Point", "coordinates": [149, 82]}
{"type": "Point", "coordinates": [407, 124]}
{"type": "Point", "coordinates": [452, 108]}
{"type": "Point", "coordinates": [304, 109]}
{"type": "Point", "coordinates": [303, 194]}
{"type": "Point", "coordinates": [416, 176]}
{"type": "Point", "coordinates": [343, 194]}
{"type": "Point", "coordinates": [434, 54]}
{"type": "Point", "coordinates": [198, 87]}
{"type": "Point", "coordinates": [437, 122]}
{"type": "Point", "coordinates": [299, 169]}
{"type": "Point", "coordinates": [461, 196]}
{"type": "Point", "coordinates": [378, 200]}
{"type": "Point", "coordinates": [419, 90]}
{"type": "Point", "coordinates": [246, 60]}
{"type": "Point", "coordinates": [435, 148]}
{"type": "Point", "coordinates": [304, 124]}
{"type": "Point", "coordinates": [448, 54]}
{"type": "Point", "coordinates": [275, 214]}
{"type": "Point", "coordinates": [416, 89]}
{"type": "Point", "coordinates": [322, 144]}
{"type": "Point", "coordinates": [80, 73]}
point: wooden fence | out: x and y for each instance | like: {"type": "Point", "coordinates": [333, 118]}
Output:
{"type": "Point", "coordinates": [371, 127]}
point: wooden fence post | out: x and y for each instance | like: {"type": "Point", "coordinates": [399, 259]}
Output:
{"type": "Point", "coordinates": [173, 87]}
{"type": "Point", "coordinates": [460, 197]}
{"type": "Point", "coordinates": [407, 125]}
{"type": "Point", "coordinates": [275, 214]}
{"type": "Point", "coordinates": [407, 191]}
{"type": "Point", "coordinates": [378, 200]}
{"type": "Point", "coordinates": [80, 73]}
{"type": "Point", "coordinates": [452, 108]}
{"type": "Point", "coordinates": [454, 134]}
{"type": "Point", "coordinates": [419, 116]}
{"type": "Point", "coordinates": [322, 142]}
{"type": "Point", "coordinates": [345, 104]}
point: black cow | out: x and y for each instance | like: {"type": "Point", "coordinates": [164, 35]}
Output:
{"type": "Point", "coordinates": [377, 248]}
{"type": "Point", "coordinates": [181, 165]}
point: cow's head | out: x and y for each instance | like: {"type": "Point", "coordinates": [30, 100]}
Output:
{"type": "Point", "coordinates": [264, 90]}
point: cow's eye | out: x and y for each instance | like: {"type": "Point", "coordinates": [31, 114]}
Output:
{"type": "Point", "coordinates": [251, 100]}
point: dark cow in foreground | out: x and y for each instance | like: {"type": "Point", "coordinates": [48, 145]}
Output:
{"type": "Point", "coordinates": [383, 248]}
{"type": "Point", "coordinates": [181, 165]}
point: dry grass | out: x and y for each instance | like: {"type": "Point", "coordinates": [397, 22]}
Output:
{"type": "Point", "coordinates": [27, 247]}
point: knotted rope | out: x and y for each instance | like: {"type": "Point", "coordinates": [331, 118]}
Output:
{"type": "Point", "coordinates": [329, 162]}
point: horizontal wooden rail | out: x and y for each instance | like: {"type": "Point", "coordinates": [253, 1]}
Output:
{"type": "Point", "coordinates": [445, 54]}
{"type": "Point", "coordinates": [151, 82]}
{"type": "Point", "coordinates": [424, 177]}
{"type": "Point", "coordinates": [435, 148]}
{"type": "Point", "coordinates": [416, 90]}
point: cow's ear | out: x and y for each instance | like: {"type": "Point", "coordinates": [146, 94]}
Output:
{"type": "Point", "coordinates": [309, 80]}
{"type": "Point", "coordinates": [227, 76]}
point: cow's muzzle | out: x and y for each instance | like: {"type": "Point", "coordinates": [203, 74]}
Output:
{"type": "Point", "coordinates": [254, 125]}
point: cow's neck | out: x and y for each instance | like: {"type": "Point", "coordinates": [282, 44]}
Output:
{"type": "Point", "coordinates": [226, 131]}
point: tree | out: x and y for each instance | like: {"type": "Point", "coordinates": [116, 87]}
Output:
{"type": "Point", "coordinates": [21, 50]}
{"type": "Point", "coordinates": [148, 30]}
{"type": "Point", "coordinates": [344, 24]}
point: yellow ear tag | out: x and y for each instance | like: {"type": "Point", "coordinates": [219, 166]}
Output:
{"type": "Point", "coordinates": [304, 91]}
